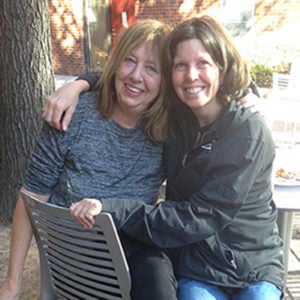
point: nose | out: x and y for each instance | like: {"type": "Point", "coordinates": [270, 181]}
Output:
{"type": "Point", "coordinates": [193, 73]}
{"type": "Point", "coordinates": [136, 73]}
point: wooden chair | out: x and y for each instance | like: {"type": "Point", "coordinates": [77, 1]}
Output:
{"type": "Point", "coordinates": [77, 263]}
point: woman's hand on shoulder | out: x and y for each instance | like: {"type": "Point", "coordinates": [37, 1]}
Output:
{"type": "Point", "coordinates": [251, 101]}
{"type": "Point", "coordinates": [60, 105]}
{"type": "Point", "coordinates": [85, 211]}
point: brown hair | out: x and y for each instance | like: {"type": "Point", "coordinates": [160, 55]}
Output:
{"type": "Point", "coordinates": [155, 117]}
{"type": "Point", "coordinates": [233, 69]}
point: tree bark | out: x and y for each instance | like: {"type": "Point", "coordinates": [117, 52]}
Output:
{"type": "Point", "coordinates": [26, 78]}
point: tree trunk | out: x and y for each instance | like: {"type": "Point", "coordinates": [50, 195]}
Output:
{"type": "Point", "coordinates": [26, 79]}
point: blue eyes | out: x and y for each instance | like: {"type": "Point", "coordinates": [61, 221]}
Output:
{"type": "Point", "coordinates": [151, 70]}
{"type": "Point", "coordinates": [131, 62]}
{"type": "Point", "coordinates": [179, 66]}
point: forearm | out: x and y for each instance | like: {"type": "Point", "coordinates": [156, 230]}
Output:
{"type": "Point", "coordinates": [90, 80]}
{"type": "Point", "coordinates": [81, 86]}
{"type": "Point", "coordinates": [151, 224]}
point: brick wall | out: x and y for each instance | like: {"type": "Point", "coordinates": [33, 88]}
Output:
{"type": "Point", "coordinates": [269, 14]}
{"type": "Point", "coordinates": [273, 15]}
{"type": "Point", "coordinates": [175, 11]}
{"type": "Point", "coordinates": [67, 35]}
{"type": "Point", "coordinates": [276, 24]}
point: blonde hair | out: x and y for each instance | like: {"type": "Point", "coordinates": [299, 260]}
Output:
{"type": "Point", "coordinates": [155, 117]}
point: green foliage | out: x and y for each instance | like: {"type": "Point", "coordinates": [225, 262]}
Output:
{"type": "Point", "coordinates": [262, 74]}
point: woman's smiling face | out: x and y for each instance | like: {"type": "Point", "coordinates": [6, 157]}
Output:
{"type": "Point", "coordinates": [195, 76]}
{"type": "Point", "coordinates": [137, 80]}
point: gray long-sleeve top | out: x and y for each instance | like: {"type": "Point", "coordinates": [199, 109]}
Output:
{"type": "Point", "coordinates": [95, 158]}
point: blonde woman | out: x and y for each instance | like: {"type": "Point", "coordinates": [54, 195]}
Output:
{"type": "Point", "coordinates": [112, 149]}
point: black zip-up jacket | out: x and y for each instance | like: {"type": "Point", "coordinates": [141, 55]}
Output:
{"type": "Point", "coordinates": [219, 218]}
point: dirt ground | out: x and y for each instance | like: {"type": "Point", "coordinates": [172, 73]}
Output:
{"type": "Point", "coordinates": [30, 289]}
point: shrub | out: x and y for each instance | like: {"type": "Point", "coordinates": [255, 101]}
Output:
{"type": "Point", "coordinates": [262, 74]}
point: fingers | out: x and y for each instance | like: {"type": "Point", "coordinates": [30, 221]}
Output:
{"type": "Point", "coordinates": [57, 116]}
{"type": "Point", "coordinates": [65, 122]}
{"type": "Point", "coordinates": [62, 103]}
{"type": "Point", "coordinates": [85, 211]}
{"type": "Point", "coordinates": [82, 215]}
{"type": "Point", "coordinates": [53, 111]}
{"type": "Point", "coordinates": [243, 101]}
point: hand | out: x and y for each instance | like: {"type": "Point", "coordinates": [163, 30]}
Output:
{"type": "Point", "coordinates": [60, 105]}
{"type": "Point", "coordinates": [85, 211]}
{"type": "Point", "coordinates": [250, 100]}
{"type": "Point", "coordinates": [9, 292]}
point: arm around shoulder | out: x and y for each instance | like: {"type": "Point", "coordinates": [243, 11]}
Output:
{"type": "Point", "coordinates": [60, 105]}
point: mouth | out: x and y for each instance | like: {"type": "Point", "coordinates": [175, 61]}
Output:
{"type": "Point", "coordinates": [194, 90]}
{"type": "Point", "coordinates": [133, 89]}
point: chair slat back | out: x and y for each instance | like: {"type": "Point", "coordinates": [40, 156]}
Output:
{"type": "Point", "coordinates": [77, 263]}
{"type": "Point", "coordinates": [284, 90]}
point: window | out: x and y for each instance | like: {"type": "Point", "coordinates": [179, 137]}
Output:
{"type": "Point", "coordinates": [97, 32]}
{"type": "Point", "coordinates": [238, 16]}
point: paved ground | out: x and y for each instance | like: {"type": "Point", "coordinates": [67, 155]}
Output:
{"type": "Point", "coordinates": [293, 280]}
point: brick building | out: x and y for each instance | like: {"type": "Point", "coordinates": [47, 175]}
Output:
{"type": "Point", "coordinates": [83, 31]}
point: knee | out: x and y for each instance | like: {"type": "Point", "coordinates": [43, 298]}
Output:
{"type": "Point", "coordinates": [152, 276]}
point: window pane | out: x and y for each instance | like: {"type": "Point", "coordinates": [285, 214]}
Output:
{"type": "Point", "coordinates": [97, 34]}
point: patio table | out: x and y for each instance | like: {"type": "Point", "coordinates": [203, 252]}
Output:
{"type": "Point", "coordinates": [286, 195]}
{"type": "Point", "coordinates": [287, 199]}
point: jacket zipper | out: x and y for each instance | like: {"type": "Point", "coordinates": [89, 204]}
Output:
{"type": "Point", "coordinates": [229, 255]}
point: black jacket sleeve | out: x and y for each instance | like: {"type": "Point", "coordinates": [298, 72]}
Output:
{"type": "Point", "coordinates": [228, 197]}
{"type": "Point", "coordinates": [92, 79]}
{"type": "Point", "coordinates": [254, 88]}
